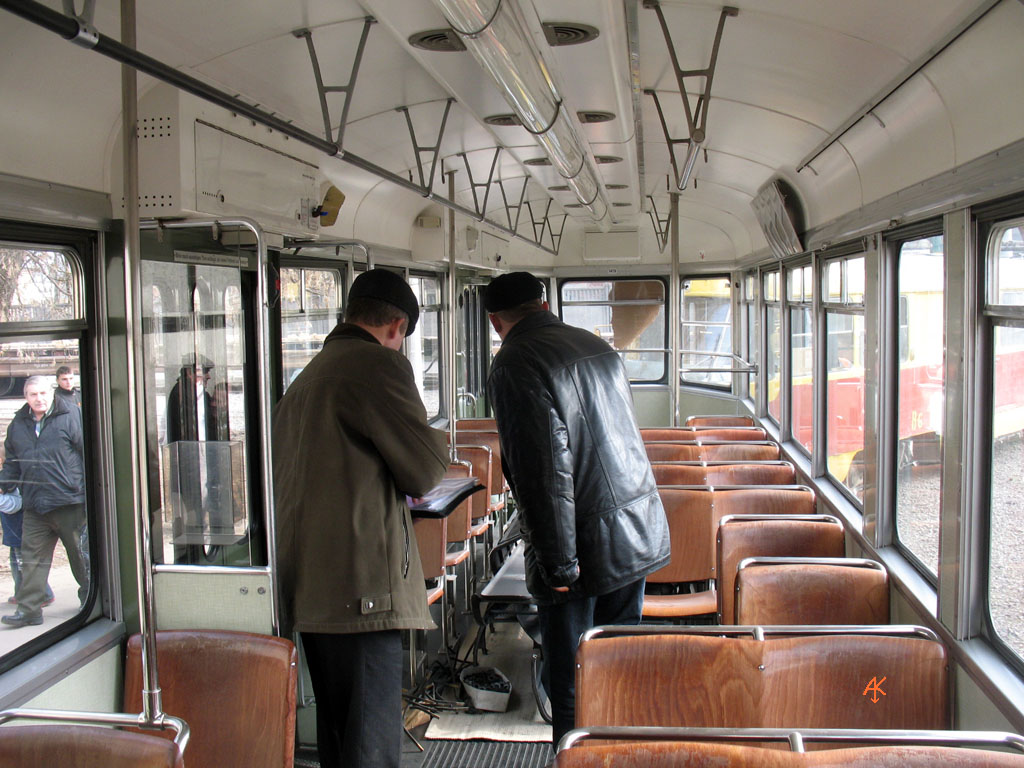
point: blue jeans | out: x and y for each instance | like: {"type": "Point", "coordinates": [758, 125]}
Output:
{"type": "Point", "coordinates": [561, 626]}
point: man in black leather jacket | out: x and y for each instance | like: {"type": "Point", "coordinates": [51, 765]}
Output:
{"type": "Point", "coordinates": [592, 519]}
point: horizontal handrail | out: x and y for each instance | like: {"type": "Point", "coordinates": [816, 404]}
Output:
{"type": "Point", "coordinates": [164, 722]}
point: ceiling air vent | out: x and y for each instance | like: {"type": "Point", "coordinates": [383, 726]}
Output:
{"type": "Point", "coordinates": [621, 205]}
{"type": "Point", "coordinates": [437, 40]}
{"type": "Point", "coordinates": [594, 116]}
{"type": "Point", "coordinates": [573, 205]}
{"type": "Point", "coordinates": [780, 215]}
{"type": "Point", "coordinates": [568, 33]}
{"type": "Point", "coordinates": [537, 161]}
{"type": "Point", "coordinates": [502, 120]}
{"type": "Point", "coordinates": [616, 186]}
{"type": "Point", "coordinates": [559, 188]}
{"type": "Point", "coordinates": [606, 159]}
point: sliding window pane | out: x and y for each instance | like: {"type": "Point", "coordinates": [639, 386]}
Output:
{"type": "Point", "coordinates": [844, 400]}
{"type": "Point", "coordinates": [920, 398]}
{"type": "Point", "coordinates": [802, 376]}
{"type": "Point", "coordinates": [773, 363]}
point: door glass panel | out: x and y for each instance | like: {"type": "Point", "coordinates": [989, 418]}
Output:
{"type": "Point", "coordinates": [310, 304]}
{"type": "Point", "coordinates": [196, 404]}
{"type": "Point", "coordinates": [706, 331]}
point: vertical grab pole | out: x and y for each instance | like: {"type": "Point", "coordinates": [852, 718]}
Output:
{"type": "Point", "coordinates": [674, 310]}
{"type": "Point", "coordinates": [151, 706]}
{"type": "Point", "coordinates": [453, 386]}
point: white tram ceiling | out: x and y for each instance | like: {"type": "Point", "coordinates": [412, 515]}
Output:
{"type": "Point", "coordinates": [849, 104]}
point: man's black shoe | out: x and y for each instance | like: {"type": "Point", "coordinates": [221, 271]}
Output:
{"type": "Point", "coordinates": [19, 619]}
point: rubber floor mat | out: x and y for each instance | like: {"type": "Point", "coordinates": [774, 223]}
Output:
{"type": "Point", "coordinates": [488, 754]}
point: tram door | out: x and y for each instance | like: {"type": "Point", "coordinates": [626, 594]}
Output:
{"type": "Point", "coordinates": [202, 423]}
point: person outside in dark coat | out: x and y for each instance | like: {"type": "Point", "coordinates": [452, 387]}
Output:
{"type": "Point", "coordinates": [65, 386]}
{"type": "Point", "coordinates": [592, 519]}
{"type": "Point", "coordinates": [350, 442]}
{"type": "Point", "coordinates": [45, 460]}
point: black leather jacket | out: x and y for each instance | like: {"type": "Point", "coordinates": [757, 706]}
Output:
{"type": "Point", "coordinates": [573, 455]}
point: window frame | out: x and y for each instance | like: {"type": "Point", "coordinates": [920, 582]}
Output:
{"type": "Point", "coordinates": [80, 248]}
{"type": "Point", "coordinates": [683, 382]}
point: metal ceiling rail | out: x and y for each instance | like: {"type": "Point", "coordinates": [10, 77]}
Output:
{"type": "Point", "coordinates": [74, 30]}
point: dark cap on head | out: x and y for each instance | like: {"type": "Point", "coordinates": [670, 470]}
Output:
{"type": "Point", "coordinates": [386, 286]}
{"type": "Point", "coordinates": [511, 290]}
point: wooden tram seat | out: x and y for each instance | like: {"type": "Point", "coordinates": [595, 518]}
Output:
{"type": "Point", "coordinates": [724, 473]}
{"type": "Point", "coordinates": [492, 441]}
{"type": "Point", "coordinates": [693, 514]}
{"type": "Point", "coordinates": [236, 691]}
{"type": "Point", "coordinates": [733, 434]}
{"type": "Point", "coordinates": [84, 746]}
{"type": "Point", "coordinates": [703, 450]}
{"type": "Point", "coordinates": [808, 590]}
{"type": "Point", "coordinates": [431, 540]}
{"type": "Point", "coordinates": [720, 421]}
{"type": "Point", "coordinates": [631, 753]}
{"type": "Point", "coordinates": [459, 528]}
{"type": "Point", "coordinates": [653, 676]}
{"type": "Point", "coordinates": [742, 536]}
{"type": "Point", "coordinates": [476, 425]}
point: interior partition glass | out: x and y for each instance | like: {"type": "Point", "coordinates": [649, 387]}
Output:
{"type": "Point", "coordinates": [43, 482]}
{"type": "Point", "coordinates": [706, 331]}
{"type": "Point", "coordinates": [629, 314]}
{"type": "Point", "coordinates": [423, 346]}
{"type": "Point", "coordinates": [1006, 568]}
{"type": "Point", "coordinates": [310, 308]}
{"type": "Point", "coordinates": [196, 389]}
{"type": "Point", "coordinates": [920, 391]}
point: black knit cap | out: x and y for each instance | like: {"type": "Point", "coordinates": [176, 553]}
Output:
{"type": "Point", "coordinates": [511, 290]}
{"type": "Point", "coordinates": [386, 286]}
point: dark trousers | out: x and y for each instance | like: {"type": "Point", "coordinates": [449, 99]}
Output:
{"type": "Point", "coordinates": [561, 626]}
{"type": "Point", "coordinates": [39, 534]}
{"type": "Point", "coordinates": [357, 681]}
{"type": "Point", "coordinates": [16, 573]}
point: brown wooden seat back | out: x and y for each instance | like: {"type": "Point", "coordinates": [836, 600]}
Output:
{"type": "Point", "coordinates": [673, 451]}
{"type": "Point", "coordinates": [236, 691]}
{"type": "Point", "coordinates": [700, 473]}
{"type": "Point", "coordinates": [476, 425]}
{"type": "Point", "coordinates": [812, 593]}
{"type": "Point", "coordinates": [742, 434]}
{"type": "Point", "coordinates": [460, 522]}
{"type": "Point", "coordinates": [431, 541]}
{"type": "Point", "coordinates": [735, 682]}
{"type": "Point", "coordinates": [492, 441]}
{"type": "Point", "coordinates": [740, 538]}
{"type": "Point", "coordinates": [84, 746]}
{"type": "Point", "coordinates": [482, 459]}
{"type": "Point", "coordinates": [735, 451]}
{"type": "Point", "coordinates": [720, 421]}
{"type": "Point", "coordinates": [691, 525]}
{"type": "Point", "coordinates": [689, 754]}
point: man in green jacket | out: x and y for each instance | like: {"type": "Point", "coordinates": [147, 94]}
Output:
{"type": "Point", "coordinates": [350, 442]}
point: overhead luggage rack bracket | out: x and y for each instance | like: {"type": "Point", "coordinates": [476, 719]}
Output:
{"type": "Point", "coordinates": [661, 225]}
{"type": "Point", "coordinates": [347, 89]}
{"type": "Point", "coordinates": [696, 116]}
{"type": "Point", "coordinates": [481, 206]}
{"type": "Point", "coordinates": [427, 183]}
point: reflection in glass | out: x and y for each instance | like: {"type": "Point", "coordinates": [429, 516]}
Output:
{"type": "Point", "coordinates": [195, 391]}
{"type": "Point", "coordinates": [844, 400]}
{"type": "Point", "coordinates": [628, 314]}
{"type": "Point", "coordinates": [310, 304]}
{"type": "Point", "coordinates": [920, 392]}
{"type": "Point", "coordinates": [706, 330]}
{"type": "Point", "coordinates": [802, 375]}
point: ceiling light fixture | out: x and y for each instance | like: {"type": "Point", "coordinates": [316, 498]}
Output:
{"type": "Point", "coordinates": [498, 36]}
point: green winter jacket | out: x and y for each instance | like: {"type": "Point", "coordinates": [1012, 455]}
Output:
{"type": "Point", "coordinates": [350, 441]}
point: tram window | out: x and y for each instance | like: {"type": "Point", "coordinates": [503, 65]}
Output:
{"type": "Point", "coordinates": [310, 304]}
{"type": "Point", "coordinates": [628, 314]}
{"type": "Point", "coordinates": [42, 287]}
{"type": "Point", "coordinates": [920, 393]}
{"type": "Point", "coordinates": [843, 301]}
{"type": "Point", "coordinates": [752, 331]}
{"type": "Point", "coordinates": [196, 393]}
{"type": "Point", "coordinates": [773, 355]}
{"type": "Point", "coordinates": [1006, 295]}
{"type": "Point", "coordinates": [706, 331]}
{"type": "Point", "coordinates": [801, 351]}
{"type": "Point", "coordinates": [423, 347]}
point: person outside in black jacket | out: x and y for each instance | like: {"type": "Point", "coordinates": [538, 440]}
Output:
{"type": "Point", "coordinates": [65, 386]}
{"type": "Point", "coordinates": [592, 520]}
{"type": "Point", "coordinates": [45, 461]}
